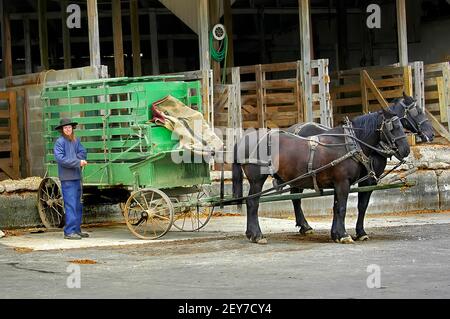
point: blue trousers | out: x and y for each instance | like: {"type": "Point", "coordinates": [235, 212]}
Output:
{"type": "Point", "coordinates": [71, 191]}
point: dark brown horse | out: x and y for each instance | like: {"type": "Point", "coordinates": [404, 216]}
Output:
{"type": "Point", "coordinates": [289, 157]}
{"type": "Point", "coordinates": [413, 119]}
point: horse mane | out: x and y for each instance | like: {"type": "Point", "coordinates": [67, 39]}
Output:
{"type": "Point", "coordinates": [367, 124]}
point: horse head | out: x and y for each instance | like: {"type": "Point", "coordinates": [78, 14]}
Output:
{"type": "Point", "coordinates": [392, 133]}
{"type": "Point", "coordinates": [413, 117]}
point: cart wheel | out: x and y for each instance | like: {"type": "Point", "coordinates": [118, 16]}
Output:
{"type": "Point", "coordinates": [50, 203]}
{"type": "Point", "coordinates": [193, 218]}
{"type": "Point", "coordinates": [149, 213]}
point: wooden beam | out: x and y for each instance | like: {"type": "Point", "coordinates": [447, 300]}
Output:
{"type": "Point", "coordinates": [94, 37]}
{"type": "Point", "coordinates": [402, 33]}
{"type": "Point", "coordinates": [438, 126]}
{"type": "Point", "coordinates": [371, 85]}
{"type": "Point", "coordinates": [135, 42]}
{"type": "Point", "coordinates": [6, 41]}
{"type": "Point", "coordinates": [43, 33]}
{"type": "Point", "coordinates": [154, 43]}
{"type": "Point", "coordinates": [65, 35]}
{"type": "Point", "coordinates": [204, 54]}
{"type": "Point", "coordinates": [119, 67]}
{"type": "Point", "coordinates": [228, 20]}
{"type": "Point", "coordinates": [27, 46]}
{"type": "Point", "coordinates": [213, 20]}
{"type": "Point", "coordinates": [305, 49]}
{"type": "Point", "coordinates": [13, 124]}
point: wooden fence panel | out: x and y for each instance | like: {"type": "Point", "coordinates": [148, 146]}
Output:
{"type": "Point", "coordinates": [9, 137]}
{"type": "Point", "coordinates": [351, 96]}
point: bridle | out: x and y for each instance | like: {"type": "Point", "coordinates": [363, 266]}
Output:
{"type": "Point", "coordinates": [410, 114]}
{"type": "Point", "coordinates": [387, 140]}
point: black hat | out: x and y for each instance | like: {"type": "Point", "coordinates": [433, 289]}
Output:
{"type": "Point", "coordinates": [64, 122]}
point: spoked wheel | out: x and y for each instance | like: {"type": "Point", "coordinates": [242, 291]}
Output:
{"type": "Point", "coordinates": [149, 213]}
{"type": "Point", "coordinates": [193, 218]}
{"type": "Point", "coordinates": [50, 203]}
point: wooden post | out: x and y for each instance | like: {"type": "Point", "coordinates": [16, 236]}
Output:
{"type": "Point", "coordinates": [342, 38]}
{"type": "Point", "coordinates": [6, 41]}
{"type": "Point", "coordinates": [204, 54]}
{"type": "Point", "coordinates": [228, 20]}
{"type": "Point", "coordinates": [260, 105]}
{"type": "Point", "coordinates": [154, 43]}
{"type": "Point", "coordinates": [14, 133]}
{"type": "Point", "coordinates": [306, 58]}
{"type": "Point", "coordinates": [119, 67]}
{"type": "Point", "coordinates": [94, 38]}
{"type": "Point", "coordinates": [43, 35]}
{"type": "Point", "coordinates": [213, 19]}
{"type": "Point", "coordinates": [65, 36]}
{"type": "Point", "coordinates": [402, 33]}
{"type": "Point", "coordinates": [364, 98]}
{"type": "Point", "coordinates": [27, 46]}
{"type": "Point", "coordinates": [135, 38]}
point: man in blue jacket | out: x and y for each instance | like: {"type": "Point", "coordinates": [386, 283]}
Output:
{"type": "Point", "coordinates": [71, 157]}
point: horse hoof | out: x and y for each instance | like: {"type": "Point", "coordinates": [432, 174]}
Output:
{"type": "Point", "coordinates": [346, 240]}
{"type": "Point", "coordinates": [362, 238]}
{"type": "Point", "coordinates": [308, 231]}
{"type": "Point", "coordinates": [262, 241]}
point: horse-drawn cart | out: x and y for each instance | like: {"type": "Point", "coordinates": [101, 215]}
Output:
{"type": "Point", "coordinates": [127, 151]}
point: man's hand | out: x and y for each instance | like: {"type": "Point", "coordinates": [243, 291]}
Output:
{"type": "Point", "coordinates": [83, 163]}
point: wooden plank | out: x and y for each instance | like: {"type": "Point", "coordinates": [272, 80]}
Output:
{"type": "Point", "coordinates": [279, 98]}
{"type": "Point", "coordinates": [407, 79]}
{"type": "Point", "coordinates": [402, 33]}
{"type": "Point", "coordinates": [94, 38]}
{"type": "Point", "coordinates": [278, 67]}
{"type": "Point", "coordinates": [364, 99]}
{"type": "Point", "coordinates": [65, 35]}
{"type": "Point", "coordinates": [13, 123]}
{"type": "Point", "coordinates": [375, 90]}
{"type": "Point", "coordinates": [442, 99]}
{"type": "Point", "coordinates": [8, 171]}
{"type": "Point", "coordinates": [347, 101]}
{"type": "Point", "coordinates": [119, 67]}
{"type": "Point", "coordinates": [279, 84]}
{"type": "Point", "coordinates": [298, 94]}
{"type": "Point", "coordinates": [438, 126]}
{"type": "Point", "coordinates": [27, 46]}
{"type": "Point", "coordinates": [135, 38]}
{"type": "Point", "coordinates": [5, 145]}
{"type": "Point", "coordinates": [228, 21]}
{"type": "Point", "coordinates": [6, 44]}
{"type": "Point", "coordinates": [4, 114]}
{"type": "Point", "coordinates": [305, 49]}
{"type": "Point", "coordinates": [260, 96]}
{"type": "Point", "coordinates": [43, 34]}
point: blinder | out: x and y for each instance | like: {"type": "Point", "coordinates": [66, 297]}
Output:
{"type": "Point", "coordinates": [387, 126]}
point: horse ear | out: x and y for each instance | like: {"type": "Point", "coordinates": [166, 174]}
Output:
{"type": "Point", "coordinates": [404, 95]}
{"type": "Point", "coordinates": [386, 112]}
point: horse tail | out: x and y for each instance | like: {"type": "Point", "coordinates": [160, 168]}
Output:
{"type": "Point", "coordinates": [237, 176]}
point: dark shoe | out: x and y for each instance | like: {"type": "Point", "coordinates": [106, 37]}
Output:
{"type": "Point", "coordinates": [83, 235]}
{"type": "Point", "coordinates": [72, 236]}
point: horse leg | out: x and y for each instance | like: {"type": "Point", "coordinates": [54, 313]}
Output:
{"type": "Point", "coordinates": [253, 231]}
{"type": "Point", "coordinates": [300, 220]}
{"type": "Point", "coordinates": [363, 202]}
{"type": "Point", "coordinates": [341, 191]}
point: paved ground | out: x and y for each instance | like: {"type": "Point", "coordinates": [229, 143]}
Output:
{"type": "Point", "coordinates": [407, 257]}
